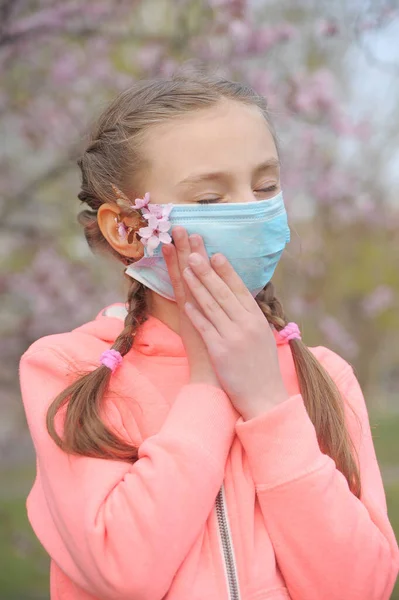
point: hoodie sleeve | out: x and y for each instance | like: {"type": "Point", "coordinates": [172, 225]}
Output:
{"type": "Point", "coordinates": [328, 543]}
{"type": "Point", "coordinates": [111, 525]}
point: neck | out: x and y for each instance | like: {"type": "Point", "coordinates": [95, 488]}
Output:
{"type": "Point", "coordinates": [165, 310]}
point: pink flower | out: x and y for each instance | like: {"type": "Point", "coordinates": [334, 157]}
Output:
{"type": "Point", "coordinates": [381, 299]}
{"type": "Point", "coordinates": [122, 230]}
{"type": "Point", "coordinates": [286, 32]}
{"type": "Point", "coordinates": [240, 33]}
{"type": "Point", "coordinates": [155, 233]}
{"type": "Point", "coordinates": [264, 38]}
{"type": "Point", "coordinates": [336, 333]}
{"type": "Point", "coordinates": [142, 202]}
{"type": "Point", "coordinates": [327, 28]}
{"type": "Point", "coordinates": [157, 216]}
{"type": "Point", "coordinates": [160, 211]}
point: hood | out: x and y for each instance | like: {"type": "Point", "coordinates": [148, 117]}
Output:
{"type": "Point", "coordinates": [153, 339]}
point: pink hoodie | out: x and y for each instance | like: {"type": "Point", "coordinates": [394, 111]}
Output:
{"type": "Point", "coordinates": [215, 508]}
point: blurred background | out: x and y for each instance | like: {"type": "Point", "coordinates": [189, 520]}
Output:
{"type": "Point", "coordinates": [330, 71]}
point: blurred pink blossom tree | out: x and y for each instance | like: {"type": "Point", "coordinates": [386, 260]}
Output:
{"type": "Point", "coordinates": [62, 61]}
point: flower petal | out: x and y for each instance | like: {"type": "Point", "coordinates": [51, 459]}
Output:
{"type": "Point", "coordinates": [122, 230]}
{"type": "Point", "coordinates": [142, 202]}
{"type": "Point", "coordinates": [155, 209]}
{"type": "Point", "coordinates": [146, 232]}
{"type": "Point", "coordinates": [152, 221]}
{"type": "Point", "coordinates": [164, 225]}
{"type": "Point", "coordinates": [153, 242]}
{"type": "Point", "coordinates": [167, 209]}
{"type": "Point", "coordinates": [165, 238]}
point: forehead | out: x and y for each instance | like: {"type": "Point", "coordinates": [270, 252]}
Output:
{"type": "Point", "coordinates": [227, 136]}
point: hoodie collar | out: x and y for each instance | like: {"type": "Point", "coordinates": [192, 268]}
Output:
{"type": "Point", "coordinates": [154, 337]}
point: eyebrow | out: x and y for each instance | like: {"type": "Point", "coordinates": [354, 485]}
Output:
{"type": "Point", "coordinates": [271, 163]}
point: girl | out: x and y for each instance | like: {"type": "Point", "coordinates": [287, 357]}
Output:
{"type": "Point", "coordinates": [189, 445]}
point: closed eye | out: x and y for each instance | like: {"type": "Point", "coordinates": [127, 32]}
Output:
{"type": "Point", "coordinates": [269, 189]}
{"type": "Point", "coordinates": [209, 201]}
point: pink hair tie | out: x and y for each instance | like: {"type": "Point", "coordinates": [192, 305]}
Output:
{"type": "Point", "coordinates": [290, 332]}
{"type": "Point", "coordinates": [111, 359]}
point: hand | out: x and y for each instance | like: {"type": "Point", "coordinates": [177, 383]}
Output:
{"type": "Point", "coordinates": [201, 369]}
{"type": "Point", "coordinates": [239, 339]}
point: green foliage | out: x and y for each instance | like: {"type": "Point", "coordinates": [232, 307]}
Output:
{"type": "Point", "coordinates": [24, 564]}
{"type": "Point", "coordinates": [385, 432]}
{"type": "Point", "coordinates": [392, 493]}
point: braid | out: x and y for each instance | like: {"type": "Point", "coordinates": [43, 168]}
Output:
{"type": "Point", "coordinates": [271, 307]}
{"type": "Point", "coordinates": [321, 397]}
{"type": "Point", "coordinates": [85, 432]}
{"type": "Point", "coordinates": [136, 306]}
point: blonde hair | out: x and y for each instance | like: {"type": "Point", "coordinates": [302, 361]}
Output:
{"type": "Point", "coordinates": [113, 156]}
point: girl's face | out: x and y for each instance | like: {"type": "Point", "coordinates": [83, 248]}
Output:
{"type": "Point", "coordinates": [222, 154]}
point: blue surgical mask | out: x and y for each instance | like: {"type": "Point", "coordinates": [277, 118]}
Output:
{"type": "Point", "coordinates": [252, 236]}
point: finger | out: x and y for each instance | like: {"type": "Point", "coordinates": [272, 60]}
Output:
{"type": "Point", "coordinates": [170, 256]}
{"type": "Point", "coordinates": [182, 245]}
{"type": "Point", "coordinates": [197, 245]}
{"type": "Point", "coordinates": [215, 286]}
{"type": "Point", "coordinates": [234, 282]}
{"type": "Point", "coordinates": [207, 331]}
{"type": "Point", "coordinates": [209, 305]}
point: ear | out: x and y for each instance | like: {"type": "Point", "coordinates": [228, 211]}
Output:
{"type": "Point", "coordinates": [108, 218]}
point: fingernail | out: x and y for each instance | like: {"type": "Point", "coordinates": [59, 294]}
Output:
{"type": "Point", "coordinates": [187, 272]}
{"type": "Point", "coordinates": [177, 232]}
{"type": "Point", "coordinates": [218, 260]}
{"type": "Point", "coordinates": [194, 259]}
{"type": "Point", "coordinates": [195, 240]}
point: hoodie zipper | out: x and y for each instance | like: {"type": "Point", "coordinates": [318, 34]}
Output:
{"type": "Point", "coordinates": [227, 547]}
